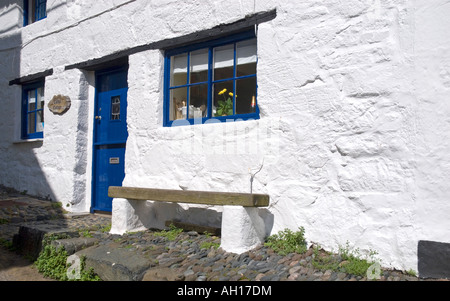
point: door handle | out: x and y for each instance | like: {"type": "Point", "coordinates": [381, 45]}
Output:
{"type": "Point", "coordinates": [98, 117]}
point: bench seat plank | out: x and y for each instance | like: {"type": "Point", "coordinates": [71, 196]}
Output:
{"type": "Point", "coordinates": [190, 196]}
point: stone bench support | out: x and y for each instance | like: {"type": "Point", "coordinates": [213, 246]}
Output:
{"type": "Point", "coordinates": [242, 229]}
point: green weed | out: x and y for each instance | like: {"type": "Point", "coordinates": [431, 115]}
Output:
{"type": "Point", "coordinates": [411, 272]}
{"type": "Point", "coordinates": [52, 262]}
{"type": "Point", "coordinates": [56, 205]}
{"type": "Point", "coordinates": [347, 261]}
{"type": "Point", "coordinates": [209, 244]}
{"type": "Point", "coordinates": [287, 241]}
{"type": "Point", "coordinates": [106, 228]}
{"type": "Point", "coordinates": [85, 233]}
{"type": "Point", "coordinates": [6, 243]}
{"type": "Point", "coordinates": [170, 234]}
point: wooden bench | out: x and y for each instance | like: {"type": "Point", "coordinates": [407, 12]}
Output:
{"type": "Point", "coordinates": [242, 227]}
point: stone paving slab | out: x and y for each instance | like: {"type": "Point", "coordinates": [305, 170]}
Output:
{"type": "Point", "coordinates": [73, 245]}
{"type": "Point", "coordinates": [115, 264]}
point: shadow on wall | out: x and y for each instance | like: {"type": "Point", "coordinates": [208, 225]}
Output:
{"type": "Point", "coordinates": [19, 167]}
{"type": "Point", "coordinates": [21, 173]}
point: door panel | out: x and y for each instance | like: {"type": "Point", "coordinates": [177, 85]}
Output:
{"type": "Point", "coordinates": [110, 164]}
{"type": "Point", "coordinates": [110, 136]}
{"type": "Point", "coordinates": [110, 117]}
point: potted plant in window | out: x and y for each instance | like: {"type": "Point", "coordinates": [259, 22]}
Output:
{"type": "Point", "coordinates": [225, 107]}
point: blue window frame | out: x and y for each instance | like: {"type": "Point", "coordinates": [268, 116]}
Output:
{"type": "Point", "coordinates": [34, 10]}
{"type": "Point", "coordinates": [213, 80]}
{"type": "Point", "coordinates": [33, 110]}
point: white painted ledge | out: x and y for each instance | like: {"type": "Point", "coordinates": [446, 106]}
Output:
{"type": "Point", "coordinates": [27, 140]}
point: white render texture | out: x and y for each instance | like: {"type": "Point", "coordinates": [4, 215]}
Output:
{"type": "Point", "coordinates": [354, 131]}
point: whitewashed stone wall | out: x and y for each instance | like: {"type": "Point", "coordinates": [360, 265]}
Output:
{"type": "Point", "coordinates": [354, 129]}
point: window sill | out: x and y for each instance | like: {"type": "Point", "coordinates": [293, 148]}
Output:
{"type": "Point", "coordinates": [28, 140]}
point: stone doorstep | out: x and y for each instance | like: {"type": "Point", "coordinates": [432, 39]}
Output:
{"type": "Point", "coordinates": [73, 215]}
{"type": "Point", "coordinates": [11, 202]}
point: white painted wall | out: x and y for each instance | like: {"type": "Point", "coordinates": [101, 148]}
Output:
{"type": "Point", "coordinates": [354, 114]}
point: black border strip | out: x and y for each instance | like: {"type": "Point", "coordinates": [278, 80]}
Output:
{"type": "Point", "coordinates": [196, 37]}
{"type": "Point", "coordinates": [31, 78]}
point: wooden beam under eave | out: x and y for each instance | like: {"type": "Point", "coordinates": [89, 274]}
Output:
{"type": "Point", "coordinates": [190, 196]}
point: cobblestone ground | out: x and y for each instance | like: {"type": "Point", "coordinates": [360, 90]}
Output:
{"type": "Point", "coordinates": [189, 256]}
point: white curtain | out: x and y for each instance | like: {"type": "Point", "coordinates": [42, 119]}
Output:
{"type": "Point", "coordinates": [223, 56]}
{"type": "Point", "coordinates": [246, 52]}
{"type": "Point", "coordinates": [199, 60]}
{"type": "Point", "coordinates": [179, 64]}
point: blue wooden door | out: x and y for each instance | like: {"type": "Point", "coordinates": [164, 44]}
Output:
{"type": "Point", "coordinates": [110, 136]}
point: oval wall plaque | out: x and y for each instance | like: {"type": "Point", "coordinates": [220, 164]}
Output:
{"type": "Point", "coordinates": [59, 104]}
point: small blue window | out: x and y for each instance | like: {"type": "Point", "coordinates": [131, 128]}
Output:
{"type": "Point", "coordinates": [115, 108]}
{"type": "Point", "coordinates": [34, 10]}
{"type": "Point", "coordinates": [33, 111]}
{"type": "Point", "coordinates": [211, 80]}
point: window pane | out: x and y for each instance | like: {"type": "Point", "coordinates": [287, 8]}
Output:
{"type": "Point", "coordinates": [31, 100]}
{"type": "Point", "coordinates": [40, 98]}
{"type": "Point", "coordinates": [115, 108]}
{"type": "Point", "coordinates": [32, 9]}
{"type": "Point", "coordinates": [178, 72]}
{"type": "Point", "coordinates": [246, 57]}
{"type": "Point", "coordinates": [40, 121]}
{"type": "Point", "coordinates": [199, 66]}
{"type": "Point", "coordinates": [178, 101]}
{"type": "Point", "coordinates": [41, 9]}
{"type": "Point", "coordinates": [31, 123]}
{"type": "Point", "coordinates": [223, 99]}
{"type": "Point", "coordinates": [224, 62]}
{"type": "Point", "coordinates": [198, 101]}
{"type": "Point", "coordinates": [246, 95]}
